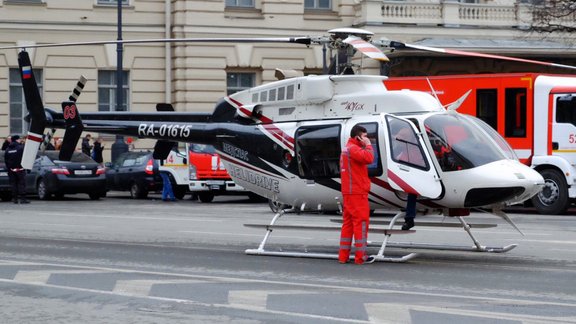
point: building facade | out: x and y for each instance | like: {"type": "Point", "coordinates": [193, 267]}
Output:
{"type": "Point", "coordinates": [193, 76]}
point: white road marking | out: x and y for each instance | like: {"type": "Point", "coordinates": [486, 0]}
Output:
{"type": "Point", "coordinates": [258, 299]}
{"type": "Point", "coordinates": [551, 241]}
{"type": "Point", "coordinates": [143, 287]}
{"type": "Point", "coordinates": [42, 277]}
{"type": "Point", "coordinates": [400, 313]}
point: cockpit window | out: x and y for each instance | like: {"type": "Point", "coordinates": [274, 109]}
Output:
{"type": "Point", "coordinates": [404, 145]}
{"type": "Point", "coordinates": [459, 144]}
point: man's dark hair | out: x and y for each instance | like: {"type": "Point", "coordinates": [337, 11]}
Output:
{"type": "Point", "coordinates": [357, 130]}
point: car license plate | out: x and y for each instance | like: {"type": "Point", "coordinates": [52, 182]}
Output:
{"type": "Point", "coordinates": [215, 182]}
{"type": "Point", "coordinates": [82, 172]}
{"type": "Point", "coordinates": [3, 174]}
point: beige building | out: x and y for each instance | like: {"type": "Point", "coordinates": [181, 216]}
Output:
{"type": "Point", "coordinates": [193, 76]}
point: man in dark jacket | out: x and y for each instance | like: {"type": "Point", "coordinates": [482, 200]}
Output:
{"type": "Point", "coordinates": [16, 173]}
{"type": "Point", "coordinates": [86, 147]}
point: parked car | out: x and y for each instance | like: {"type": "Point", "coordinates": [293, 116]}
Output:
{"type": "Point", "coordinates": [5, 188]}
{"type": "Point", "coordinates": [50, 176]}
{"type": "Point", "coordinates": [136, 172]}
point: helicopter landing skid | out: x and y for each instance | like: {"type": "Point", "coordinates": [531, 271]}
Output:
{"type": "Point", "coordinates": [477, 247]}
{"type": "Point", "coordinates": [270, 227]}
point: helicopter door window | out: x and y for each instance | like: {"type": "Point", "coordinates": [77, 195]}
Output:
{"type": "Point", "coordinates": [375, 168]}
{"type": "Point", "coordinates": [405, 147]}
{"type": "Point", "coordinates": [318, 151]}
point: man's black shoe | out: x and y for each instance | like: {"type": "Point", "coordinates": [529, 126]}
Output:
{"type": "Point", "coordinates": [24, 201]}
{"type": "Point", "coordinates": [408, 224]}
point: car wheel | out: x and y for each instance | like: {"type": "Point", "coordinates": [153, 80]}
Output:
{"type": "Point", "coordinates": [42, 190]}
{"type": "Point", "coordinates": [180, 192]}
{"type": "Point", "coordinates": [206, 197]}
{"type": "Point", "coordinates": [137, 191]}
{"type": "Point", "coordinates": [553, 199]}
{"type": "Point", "coordinates": [94, 195]}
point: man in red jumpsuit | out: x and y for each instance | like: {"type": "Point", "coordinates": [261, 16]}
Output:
{"type": "Point", "coordinates": [354, 161]}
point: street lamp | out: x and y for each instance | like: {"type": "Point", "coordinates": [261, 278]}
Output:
{"type": "Point", "coordinates": [119, 146]}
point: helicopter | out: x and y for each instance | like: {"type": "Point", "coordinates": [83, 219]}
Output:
{"type": "Point", "coordinates": [282, 140]}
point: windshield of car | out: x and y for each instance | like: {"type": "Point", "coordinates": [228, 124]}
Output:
{"type": "Point", "coordinates": [459, 143]}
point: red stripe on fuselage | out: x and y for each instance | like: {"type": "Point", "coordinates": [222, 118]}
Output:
{"type": "Point", "coordinates": [405, 186]}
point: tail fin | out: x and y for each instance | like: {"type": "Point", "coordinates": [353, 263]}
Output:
{"type": "Point", "coordinates": [35, 109]}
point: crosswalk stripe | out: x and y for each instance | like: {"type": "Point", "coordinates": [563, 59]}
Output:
{"type": "Point", "coordinates": [42, 277]}
{"type": "Point", "coordinates": [143, 287]}
{"type": "Point", "coordinates": [258, 299]}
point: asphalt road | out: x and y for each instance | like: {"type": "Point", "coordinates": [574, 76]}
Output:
{"type": "Point", "coordinates": [120, 260]}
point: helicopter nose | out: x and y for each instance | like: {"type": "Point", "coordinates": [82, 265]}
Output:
{"type": "Point", "coordinates": [504, 181]}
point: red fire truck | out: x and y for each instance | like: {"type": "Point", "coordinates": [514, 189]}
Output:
{"type": "Point", "coordinates": [208, 177]}
{"type": "Point", "coordinates": [536, 114]}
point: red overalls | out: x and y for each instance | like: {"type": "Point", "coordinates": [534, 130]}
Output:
{"type": "Point", "coordinates": [354, 162]}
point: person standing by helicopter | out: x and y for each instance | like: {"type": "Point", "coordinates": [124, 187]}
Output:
{"type": "Point", "coordinates": [354, 161]}
{"type": "Point", "coordinates": [16, 173]}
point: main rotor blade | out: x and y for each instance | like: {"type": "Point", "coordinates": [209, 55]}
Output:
{"type": "Point", "coordinates": [298, 40]}
{"type": "Point", "coordinates": [35, 109]}
{"type": "Point", "coordinates": [400, 45]}
{"type": "Point", "coordinates": [366, 48]}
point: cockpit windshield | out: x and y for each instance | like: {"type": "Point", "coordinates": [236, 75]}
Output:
{"type": "Point", "coordinates": [459, 143]}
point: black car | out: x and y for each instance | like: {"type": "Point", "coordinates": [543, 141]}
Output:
{"type": "Point", "coordinates": [51, 176]}
{"type": "Point", "coordinates": [5, 188]}
{"type": "Point", "coordinates": [136, 172]}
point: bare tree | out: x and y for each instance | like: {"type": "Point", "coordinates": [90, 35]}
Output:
{"type": "Point", "coordinates": [553, 16]}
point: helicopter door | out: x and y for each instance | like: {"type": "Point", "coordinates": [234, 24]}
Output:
{"type": "Point", "coordinates": [410, 168]}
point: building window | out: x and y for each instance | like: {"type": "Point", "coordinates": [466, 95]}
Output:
{"type": "Point", "coordinates": [112, 2]}
{"type": "Point", "coordinates": [239, 81]}
{"type": "Point", "coordinates": [18, 102]}
{"type": "Point", "coordinates": [318, 4]}
{"type": "Point", "coordinates": [240, 3]}
{"type": "Point", "coordinates": [107, 91]}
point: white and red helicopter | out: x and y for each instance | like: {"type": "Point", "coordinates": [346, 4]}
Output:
{"type": "Point", "coordinates": [282, 140]}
